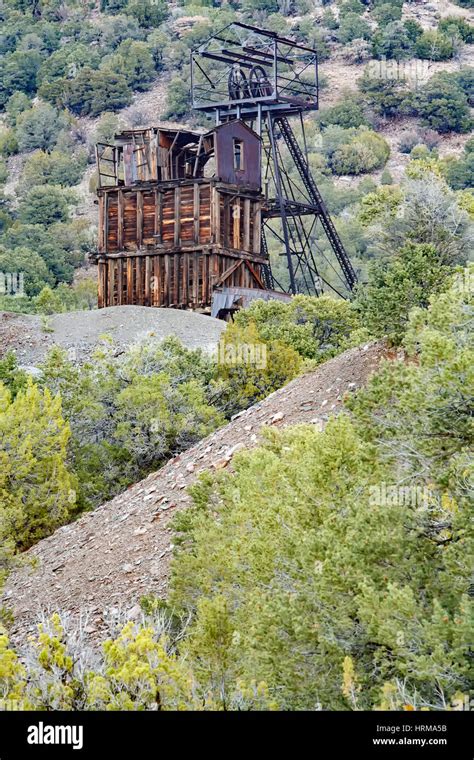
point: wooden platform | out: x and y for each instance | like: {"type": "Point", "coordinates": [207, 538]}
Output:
{"type": "Point", "coordinates": [180, 278]}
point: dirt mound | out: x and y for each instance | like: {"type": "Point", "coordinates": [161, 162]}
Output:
{"type": "Point", "coordinates": [80, 331]}
{"type": "Point", "coordinates": [112, 556]}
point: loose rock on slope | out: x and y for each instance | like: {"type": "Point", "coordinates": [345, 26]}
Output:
{"type": "Point", "coordinates": [114, 555]}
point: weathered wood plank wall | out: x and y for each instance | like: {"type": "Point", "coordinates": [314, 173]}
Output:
{"type": "Point", "coordinates": [187, 214]}
{"type": "Point", "coordinates": [171, 245]}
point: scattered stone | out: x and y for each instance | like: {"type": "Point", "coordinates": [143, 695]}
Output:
{"type": "Point", "coordinates": [277, 417]}
{"type": "Point", "coordinates": [115, 569]}
{"type": "Point", "coordinates": [219, 464]}
{"type": "Point", "coordinates": [134, 613]}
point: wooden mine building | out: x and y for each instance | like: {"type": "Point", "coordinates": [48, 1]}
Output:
{"type": "Point", "coordinates": [183, 221]}
{"type": "Point", "coordinates": [179, 216]}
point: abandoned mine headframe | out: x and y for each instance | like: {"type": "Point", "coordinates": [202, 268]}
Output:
{"type": "Point", "coordinates": [187, 218]}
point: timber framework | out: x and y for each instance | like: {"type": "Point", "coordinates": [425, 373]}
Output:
{"type": "Point", "coordinates": [189, 218]}
{"type": "Point", "coordinates": [168, 234]}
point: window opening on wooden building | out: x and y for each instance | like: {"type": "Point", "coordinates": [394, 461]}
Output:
{"type": "Point", "coordinates": [238, 154]}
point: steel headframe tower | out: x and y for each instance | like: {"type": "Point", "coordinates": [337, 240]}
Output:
{"type": "Point", "coordinates": [262, 79]}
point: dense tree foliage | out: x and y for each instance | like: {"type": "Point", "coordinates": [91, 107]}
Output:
{"type": "Point", "coordinates": [398, 283]}
{"type": "Point", "coordinates": [290, 567]}
{"type": "Point", "coordinates": [38, 491]}
{"type": "Point", "coordinates": [443, 105]}
{"type": "Point", "coordinates": [315, 327]}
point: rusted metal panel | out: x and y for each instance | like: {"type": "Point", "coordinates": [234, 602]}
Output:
{"type": "Point", "coordinates": [226, 139]}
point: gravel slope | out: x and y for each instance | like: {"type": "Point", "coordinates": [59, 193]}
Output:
{"type": "Point", "coordinates": [109, 558]}
{"type": "Point", "coordinates": [80, 331]}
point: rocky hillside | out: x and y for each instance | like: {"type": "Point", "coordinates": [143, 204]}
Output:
{"type": "Point", "coordinates": [99, 567]}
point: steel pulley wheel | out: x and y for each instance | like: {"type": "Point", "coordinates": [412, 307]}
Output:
{"type": "Point", "coordinates": [238, 85]}
{"type": "Point", "coordinates": [259, 82]}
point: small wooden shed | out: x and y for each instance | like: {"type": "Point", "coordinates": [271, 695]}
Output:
{"type": "Point", "coordinates": [237, 150]}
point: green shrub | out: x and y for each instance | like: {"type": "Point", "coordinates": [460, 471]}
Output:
{"type": "Point", "coordinates": [112, 6]}
{"type": "Point", "coordinates": [177, 98]}
{"type": "Point", "coordinates": [28, 263]}
{"type": "Point", "coordinates": [464, 79]}
{"type": "Point", "coordinates": [107, 127]}
{"type": "Point", "coordinates": [351, 6]}
{"type": "Point", "coordinates": [66, 63]}
{"type": "Point", "coordinates": [386, 96]}
{"type": "Point", "coordinates": [460, 173]}
{"type": "Point", "coordinates": [61, 246]}
{"type": "Point", "coordinates": [128, 415]}
{"type": "Point", "coordinates": [16, 104]}
{"type": "Point", "coordinates": [443, 106]}
{"type": "Point", "coordinates": [44, 204]}
{"type": "Point", "coordinates": [18, 71]}
{"type": "Point", "coordinates": [12, 377]}
{"type": "Point", "coordinates": [139, 669]}
{"type": "Point", "coordinates": [393, 42]}
{"type": "Point", "coordinates": [386, 13]}
{"type": "Point", "coordinates": [386, 178]}
{"type": "Point", "coordinates": [314, 327]}
{"type": "Point", "coordinates": [148, 12]}
{"type": "Point", "coordinates": [353, 27]}
{"type": "Point", "coordinates": [380, 204]}
{"type": "Point", "coordinates": [315, 37]}
{"type": "Point", "coordinates": [348, 113]}
{"type": "Point", "coordinates": [38, 491]}
{"type": "Point", "coordinates": [38, 128]}
{"type": "Point", "coordinates": [329, 19]}
{"type": "Point", "coordinates": [250, 368]}
{"type": "Point", "coordinates": [398, 284]}
{"type": "Point", "coordinates": [134, 62]}
{"type": "Point", "coordinates": [91, 93]}
{"type": "Point", "coordinates": [55, 168]}
{"type": "Point", "coordinates": [413, 29]}
{"type": "Point", "coordinates": [364, 153]}
{"type": "Point", "coordinates": [456, 25]}
{"type": "Point", "coordinates": [8, 143]}
{"type": "Point", "coordinates": [434, 46]}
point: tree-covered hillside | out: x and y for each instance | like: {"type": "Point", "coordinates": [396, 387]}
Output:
{"type": "Point", "coordinates": [396, 88]}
